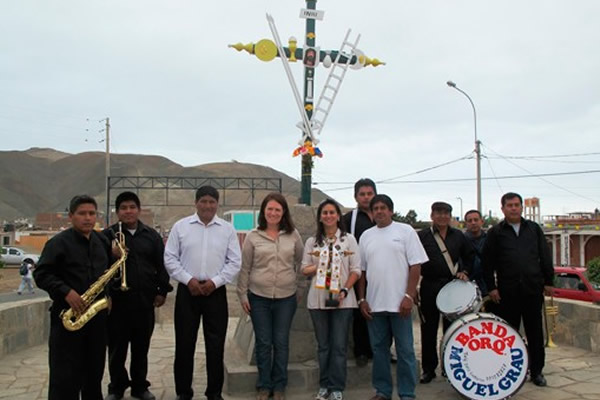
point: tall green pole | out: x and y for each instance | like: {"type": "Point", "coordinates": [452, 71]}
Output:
{"type": "Point", "coordinates": [309, 79]}
{"type": "Point", "coordinates": [266, 50]}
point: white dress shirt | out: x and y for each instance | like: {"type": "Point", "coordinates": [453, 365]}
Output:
{"type": "Point", "coordinates": [203, 251]}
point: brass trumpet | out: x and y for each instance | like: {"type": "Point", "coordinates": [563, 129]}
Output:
{"type": "Point", "coordinates": [550, 311]}
{"type": "Point", "coordinates": [72, 320]}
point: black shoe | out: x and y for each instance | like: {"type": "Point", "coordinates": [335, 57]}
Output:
{"type": "Point", "coordinates": [427, 377]}
{"type": "Point", "coordinates": [539, 380]}
{"type": "Point", "coordinates": [113, 396]}
{"type": "Point", "coordinates": [362, 360]}
{"type": "Point", "coordinates": [145, 395]}
{"type": "Point", "coordinates": [217, 397]}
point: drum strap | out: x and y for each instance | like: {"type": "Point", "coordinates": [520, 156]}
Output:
{"type": "Point", "coordinates": [451, 266]}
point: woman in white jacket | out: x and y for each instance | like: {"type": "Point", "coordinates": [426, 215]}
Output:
{"type": "Point", "coordinates": [331, 258]}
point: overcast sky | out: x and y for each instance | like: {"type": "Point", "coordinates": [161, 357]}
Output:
{"type": "Point", "coordinates": [162, 72]}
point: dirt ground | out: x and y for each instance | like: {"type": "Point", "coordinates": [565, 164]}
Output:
{"type": "Point", "coordinates": [9, 279]}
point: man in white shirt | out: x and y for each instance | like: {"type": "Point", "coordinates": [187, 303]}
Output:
{"type": "Point", "coordinates": [203, 255]}
{"type": "Point", "coordinates": [392, 255]}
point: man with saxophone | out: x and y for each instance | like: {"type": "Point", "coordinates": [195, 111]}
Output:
{"type": "Point", "coordinates": [203, 255]}
{"type": "Point", "coordinates": [517, 268]}
{"type": "Point", "coordinates": [70, 263]}
{"type": "Point", "coordinates": [131, 320]}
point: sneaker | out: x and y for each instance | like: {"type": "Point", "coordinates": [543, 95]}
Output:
{"type": "Point", "coordinates": [322, 394]}
{"type": "Point", "coordinates": [336, 396]}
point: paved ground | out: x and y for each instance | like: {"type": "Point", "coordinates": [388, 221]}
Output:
{"type": "Point", "coordinates": [572, 374]}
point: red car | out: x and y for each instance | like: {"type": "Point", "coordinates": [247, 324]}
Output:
{"type": "Point", "coordinates": [571, 283]}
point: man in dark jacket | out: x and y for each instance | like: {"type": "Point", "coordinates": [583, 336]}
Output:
{"type": "Point", "coordinates": [476, 236]}
{"type": "Point", "coordinates": [436, 273]}
{"type": "Point", "coordinates": [131, 320]}
{"type": "Point", "coordinates": [70, 262]}
{"type": "Point", "coordinates": [356, 222]}
{"type": "Point", "coordinates": [517, 253]}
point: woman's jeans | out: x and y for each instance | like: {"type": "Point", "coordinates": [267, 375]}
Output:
{"type": "Point", "coordinates": [331, 329]}
{"type": "Point", "coordinates": [272, 320]}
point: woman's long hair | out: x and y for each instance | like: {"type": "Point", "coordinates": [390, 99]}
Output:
{"type": "Point", "coordinates": [286, 224]}
{"type": "Point", "coordinates": [320, 235]}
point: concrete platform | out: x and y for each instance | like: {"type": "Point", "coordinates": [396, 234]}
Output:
{"type": "Point", "coordinates": [572, 374]}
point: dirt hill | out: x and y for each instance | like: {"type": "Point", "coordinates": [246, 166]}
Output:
{"type": "Point", "coordinates": [44, 180]}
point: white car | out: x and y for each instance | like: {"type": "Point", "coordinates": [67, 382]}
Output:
{"type": "Point", "coordinates": [14, 255]}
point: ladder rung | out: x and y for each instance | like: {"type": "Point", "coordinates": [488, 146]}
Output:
{"type": "Point", "coordinates": [336, 77]}
{"type": "Point", "coordinates": [331, 87]}
{"type": "Point", "coordinates": [327, 98]}
{"type": "Point", "coordinates": [324, 111]}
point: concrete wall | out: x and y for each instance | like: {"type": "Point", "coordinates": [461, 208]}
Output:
{"type": "Point", "coordinates": [23, 324]}
{"type": "Point", "coordinates": [577, 325]}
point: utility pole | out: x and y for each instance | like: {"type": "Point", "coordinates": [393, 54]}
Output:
{"type": "Point", "coordinates": [313, 117]}
{"type": "Point", "coordinates": [107, 170]}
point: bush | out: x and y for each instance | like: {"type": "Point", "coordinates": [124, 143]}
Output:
{"type": "Point", "coordinates": [593, 270]}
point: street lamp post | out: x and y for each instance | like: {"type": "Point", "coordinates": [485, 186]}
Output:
{"type": "Point", "coordinates": [477, 143]}
{"type": "Point", "coordinates": [461, 207]}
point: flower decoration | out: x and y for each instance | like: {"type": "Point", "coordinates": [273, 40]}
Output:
{"type": "Point", "coordinates": [308, 148]}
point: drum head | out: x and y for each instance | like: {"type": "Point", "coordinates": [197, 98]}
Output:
{"type": "Point", "coordinates": [457, 297]}
{"type": "Point", "coordinates": [484, 358]}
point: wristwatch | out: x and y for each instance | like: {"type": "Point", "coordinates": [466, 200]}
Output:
{"type": "Point", "coordinates": [360, 301]}
{"type": "Point", "coordinates": [345, 290]}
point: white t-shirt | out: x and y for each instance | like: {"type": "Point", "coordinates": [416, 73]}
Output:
{"type": "Point", "coordinates": [386, 255]}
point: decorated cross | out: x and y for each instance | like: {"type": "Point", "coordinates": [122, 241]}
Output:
{"type": "Point", "coordinates": [313, 116]}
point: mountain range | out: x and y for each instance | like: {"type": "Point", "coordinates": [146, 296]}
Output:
{"type": "Point", "coordinates": [41, 180]}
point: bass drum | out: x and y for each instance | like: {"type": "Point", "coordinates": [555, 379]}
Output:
{"type": "Point", "coordinates": [457, 298]}
{"type": "Point", "coordinates": [484, 357]}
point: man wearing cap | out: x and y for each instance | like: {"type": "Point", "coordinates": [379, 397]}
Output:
{"type": "Point", "coordinates": [444, 246]}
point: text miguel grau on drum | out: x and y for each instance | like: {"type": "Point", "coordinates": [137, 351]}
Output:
{"type": "Point", "coordinates": [487, 359]}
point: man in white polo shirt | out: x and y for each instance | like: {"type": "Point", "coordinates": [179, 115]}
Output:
{"type": "Point", "coordinates": [203, 255]}
{"type": "Point", "coordinates": [392, 255]}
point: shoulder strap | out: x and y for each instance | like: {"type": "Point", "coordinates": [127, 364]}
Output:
{"type": "Point", "coordinates": [353, 221]}
{"type": "Point", "coordinates": [440, 242]}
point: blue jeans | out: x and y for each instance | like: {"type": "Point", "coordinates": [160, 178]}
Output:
{"type": "Point", "coordinates": [382, 327]}
{"type": "Point", "coordinates": [272, 320]}
{"type": "Point", "coordinates": [331, 330]}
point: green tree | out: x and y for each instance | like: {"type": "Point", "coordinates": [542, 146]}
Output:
{"type": "Point", "coordinates": [593, 270]}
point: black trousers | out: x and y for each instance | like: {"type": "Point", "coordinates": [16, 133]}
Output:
{"type": "Point", "coordinates": [429, 348]}
{"type": "Point", "coordinates": [360, 335]}
{"type": "Point", "coordinates": [514, 306]}
{"type": "Point", "coordinates": [130, 322]}
{"type": "Point", "coordinates": [189, 310]}
{"type": "Point", "coordinates": [77, 359]}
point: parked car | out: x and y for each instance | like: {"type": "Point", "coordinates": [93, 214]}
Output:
{"type": "Point", "coordinates": [14, 255]}
{"type": "Point", "coordinates": [571, 283]}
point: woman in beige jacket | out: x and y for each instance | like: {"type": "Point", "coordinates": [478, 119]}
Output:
{"type": "Point", "coordinates": [267, 284]}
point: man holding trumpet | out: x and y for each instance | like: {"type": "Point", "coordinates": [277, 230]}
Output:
{"type": "Point", "coordinates": [144, 286]}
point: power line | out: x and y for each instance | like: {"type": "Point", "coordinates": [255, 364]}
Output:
{"type": "Point", "coordinates": [552, 155]}
{"type": "Point", "coordinates": [532, 175]}
{"type": "Point", "coordinates": [541, 176]}
{"type": "Point", "coordinates": [390, 180]}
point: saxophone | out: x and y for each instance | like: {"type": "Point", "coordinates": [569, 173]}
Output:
{"type": "Point", "coordinates": [73, 321]}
